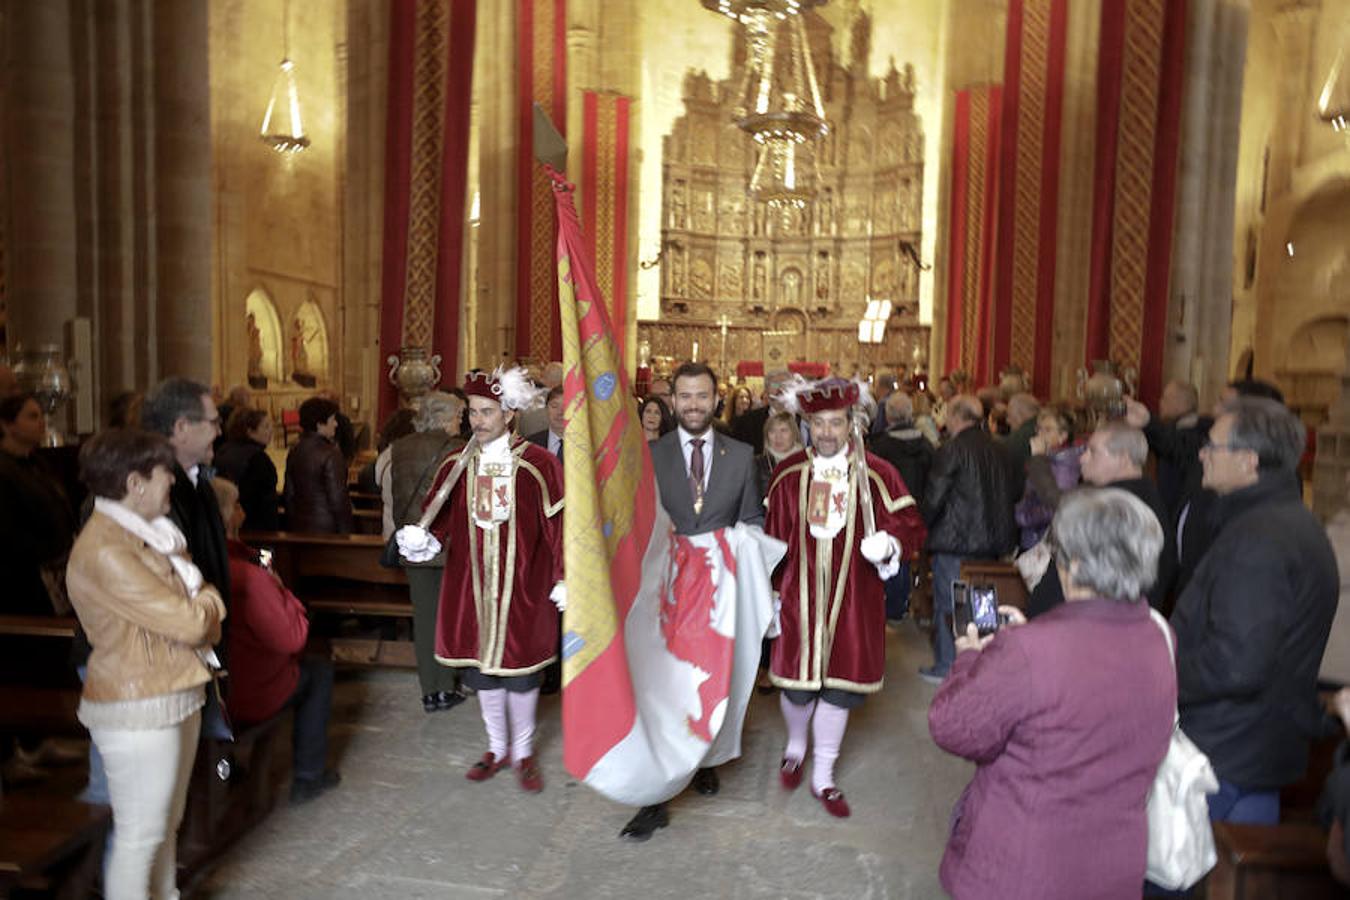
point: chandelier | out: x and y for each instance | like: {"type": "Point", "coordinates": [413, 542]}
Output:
{"type": "Point", "coordinates": [1333, 103]}
{"type": "Point", "coordinates": [780, 105]}
{"type": "Point", "coordinates": [282, 129]}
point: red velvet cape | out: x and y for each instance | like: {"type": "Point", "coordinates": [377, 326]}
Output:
{"type": "Point", "coordinates": [836, 639]}
{"type": "Point", "coordinates": [511, 629]}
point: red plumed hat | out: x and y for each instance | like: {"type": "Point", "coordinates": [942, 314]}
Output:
{"type": "Point", "coordinates": [832, 393]}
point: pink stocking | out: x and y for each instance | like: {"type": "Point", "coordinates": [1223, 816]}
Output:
{"type": "Point", "coordinates": [493, 706]}
{"type": "Point", "coordinates": [828, 732]}
{"type": "Point", "coordinates": [522, 723]}
{"type": "Point", "coordinates": [796, 718]}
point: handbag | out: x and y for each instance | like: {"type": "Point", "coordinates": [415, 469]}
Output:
{"type": "Point", "coordinates": [389, 556]}
{"type": "Point", "coordinates": [1180, 835]}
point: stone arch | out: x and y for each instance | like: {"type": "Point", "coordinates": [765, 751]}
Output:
{"type": "Point", "coordinates": [1313, 365]}
{"type": "Point", "coordinates": [266, 356]}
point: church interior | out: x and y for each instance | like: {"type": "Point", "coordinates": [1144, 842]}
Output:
{"type": "Point", "coordinates": [342, 198]}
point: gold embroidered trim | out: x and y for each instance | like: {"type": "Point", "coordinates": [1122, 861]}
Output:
{"type": "Point", "coordinates": [550, 509]}
{"type": "Point", "coordinates": [891, 504]}
{"type": "Point", "coordinates": [500, 673]}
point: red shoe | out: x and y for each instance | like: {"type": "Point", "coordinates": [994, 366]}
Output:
{"type": "Point", "coordinates": [531, 779]}
{"type": "Point", "coordinates": [486, 767]}
{"type": "Point", "coordinates": [833, 800]}
{"type": "Point", "coordinates": [790, 773]}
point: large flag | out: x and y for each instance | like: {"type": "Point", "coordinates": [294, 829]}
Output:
{"type": "Point", "coordinates": [661, 632]}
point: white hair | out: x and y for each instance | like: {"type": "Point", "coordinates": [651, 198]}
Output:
{"type": "Point", "coordinates": [1113, 537]}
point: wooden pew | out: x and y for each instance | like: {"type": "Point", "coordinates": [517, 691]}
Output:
{"type": "Point", "coordinates": [51, 845]}
{"type": "Point", "coordinates": [39, 695]}
{"type": "Point", "coordinates": [1003, 577]}
{"type": "Point", "coordinates": [233, 787]}
{"type": "Point", "coordinates": [1288, 860]}
{"type": "Point", "coordinates": [341, 575]}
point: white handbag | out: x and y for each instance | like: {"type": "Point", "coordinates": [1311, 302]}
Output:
{"type": "Point", "coordinates": [1180, 835]}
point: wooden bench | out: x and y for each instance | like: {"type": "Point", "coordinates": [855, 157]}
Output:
{"type": "Point", "coordinates": [40, 711]}
{"type": "Point", "coordinates": [341, 575]}
{"type": "Point", "coordinates": [38, 626]}
{"type": "Point", "coordinates": [1003, 577]}
{"type": "Point", "coordinates": [50, 844]}
{"type": "Point", "coordinates": [234, 785]}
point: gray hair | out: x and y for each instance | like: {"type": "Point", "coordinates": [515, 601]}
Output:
{"type": "Point", "coordinates": [899, 408]}
{"type": "Point", "coordinates": [170, 400]}
{"type": "Point", "coordinates": [1024, 405]}
{"type": "Point", "coordinates": [1269, 429]}
{"type": "Point", "coordinates": [1113, 537]}
{"type": "Point", "coordinates": [967, 408]}
{"type": "Point", "coordinates": [1122, 439]}
{"type": "Point", "coordinates": [438, 410]}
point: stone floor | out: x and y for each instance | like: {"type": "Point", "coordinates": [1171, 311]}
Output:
{"type": "Point", "coordinates": [405, 823]}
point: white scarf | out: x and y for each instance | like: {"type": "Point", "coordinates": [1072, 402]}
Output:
{"type": "Point", "coordinates": [161, 535]}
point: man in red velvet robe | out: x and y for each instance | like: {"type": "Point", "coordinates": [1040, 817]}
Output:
{"type": "Point", "coordinates": [502, 527]}
{"type": "Point", "coordinates": [831, 649]}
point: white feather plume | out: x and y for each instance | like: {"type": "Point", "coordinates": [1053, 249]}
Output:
{"type": "Point", "coordinates": [517, 390]}
{"type": "Point", "coordinates": [789, 394]}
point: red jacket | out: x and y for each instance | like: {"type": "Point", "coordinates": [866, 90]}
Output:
{"type": "Point", "coordinates": [268, 630]}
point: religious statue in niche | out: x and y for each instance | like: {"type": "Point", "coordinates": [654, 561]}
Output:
{"type": "Point", "coordinates": [825, 213]}
{"type": "Point", "coordinates": [256, 379]}
{"type": "Point", "coordinates": [700, 278]}
{"type": "Point", "coordinates": [757, 291]}
{"type": "Point", "coordinates": [731, 280]}
{"type": "Point", "coordinates": [792, 289]}
{"type": "Point", "coordinates": [703, 211]}
{"type": "Point", "coordinates": [732, 214]}
{"type": "Point", "coordinates": [678, 204]}
{"type": "Point", "coordinates": [300, 336]}
{"type": "Point", "coordinates": [677, 273]}
{"type": "Point", "coordinates": [823, 282]}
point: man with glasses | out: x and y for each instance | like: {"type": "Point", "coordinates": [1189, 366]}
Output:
{"type": "Point", "coordinates": [183, 411]}
{"type": "Point", "coordinates": [1253, 622]}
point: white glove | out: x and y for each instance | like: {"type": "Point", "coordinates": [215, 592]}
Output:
{"type": "Point", "coordinates": [416, 544]}
{"type": "Point", "coordinates": [882, 551]}
{"type": "Point", "coordinates": [878, 547]}
{"type": "Point", "coordinates": [559, 596]}
{"type": "Point", "coordinates": [776, 623]}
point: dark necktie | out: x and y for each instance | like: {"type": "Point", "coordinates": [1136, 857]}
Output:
{"type": "Point", "coordinates": [696, 473]}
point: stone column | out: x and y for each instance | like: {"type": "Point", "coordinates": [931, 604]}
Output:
{"type": "Point", "coordinates": [495, 63]}
{"type": "Point", "coordinates": [184, 214]}
{"type": "Point", "coordinates": [39, 145]}
{"type": "Point", "coordinates": [1199, 307]}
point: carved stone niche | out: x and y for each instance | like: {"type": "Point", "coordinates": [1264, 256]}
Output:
{"type": "Point", "coordinates": [824, 261]}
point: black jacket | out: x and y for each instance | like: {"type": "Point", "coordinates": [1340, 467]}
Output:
{"type": "Point", "coordinates": [968, 502]}
{"type": "Point", "coordinates": [246, 463]}
{"type": "Point", "coordinates": [911, 454]}
{"type": "Point", "coordinates": [1048, 592]}
{"type": "Point", "coordinates": [316, 487]}
{"type": "Point", "coordinates": [193, 508]}
{"type": "Point", "coordinates": [748, 428]}
{"type": "Point", "coordinates": [37, 527]}
{"type": "Point", "coordinates": [1251, 629]}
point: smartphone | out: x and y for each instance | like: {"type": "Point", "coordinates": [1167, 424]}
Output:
{"type": "Point", "coordinates": [977, 605]}
{"type": "Point", "coordinates": [265, 558]}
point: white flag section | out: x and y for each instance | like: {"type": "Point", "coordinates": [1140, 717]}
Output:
{"type": "Point", "coordinates": [693, 639]}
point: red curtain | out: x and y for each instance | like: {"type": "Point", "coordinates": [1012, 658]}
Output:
{"type": "Point", "coordinates": [431, 47]}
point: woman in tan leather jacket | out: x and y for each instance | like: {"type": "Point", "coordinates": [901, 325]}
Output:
{"type": "Point", "coordinates": [151, 621]}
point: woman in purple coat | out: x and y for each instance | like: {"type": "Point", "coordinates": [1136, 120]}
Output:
{"type": "Point", "coordinates": [1066, 719]}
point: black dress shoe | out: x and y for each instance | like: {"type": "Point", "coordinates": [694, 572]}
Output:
{"type": "Point", "coordinates": [429, 703]}
{"type": "Point", "coordinates": [448, 699]}
{"type": "Point", "coordinates": [648, 819]}
{"type": "Point", "coordinates": [706, 782]}
{"type": "Point", "coordinates": [304, 790]}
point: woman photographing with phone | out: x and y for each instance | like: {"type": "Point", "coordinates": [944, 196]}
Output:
{"type": "Point", "coordinates": [1066, 720]}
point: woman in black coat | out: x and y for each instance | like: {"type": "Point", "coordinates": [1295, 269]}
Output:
{"type": "Point", "coordinates": [243, 459]}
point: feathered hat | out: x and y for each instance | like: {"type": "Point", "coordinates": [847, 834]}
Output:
{"type": "Point", "coordinates": [512, 387]}
{"type": "Point", "coordinates": [807, 397]}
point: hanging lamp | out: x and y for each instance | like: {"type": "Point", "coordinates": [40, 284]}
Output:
{"type": "Point", "coordinates": [282, 129]}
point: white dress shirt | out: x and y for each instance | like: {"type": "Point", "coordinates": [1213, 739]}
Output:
{"type": "Point", "coordinates": [554, 443]}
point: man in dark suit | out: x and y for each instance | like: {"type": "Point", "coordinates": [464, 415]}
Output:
{"type": "Point", "coordinates": [551, 438]}
{"type": "Point", "coordinates": [748, 428]}
{"type": "Point", "coordinates": [706, 481]}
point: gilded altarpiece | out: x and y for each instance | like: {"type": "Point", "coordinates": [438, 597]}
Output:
{"type": "Point", "coordinates": [792, 283]}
